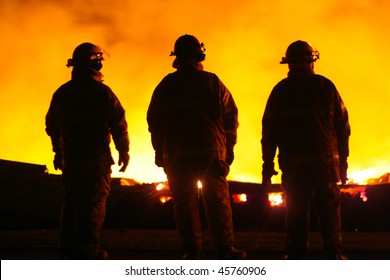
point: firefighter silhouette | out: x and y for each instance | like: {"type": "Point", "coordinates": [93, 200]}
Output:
{"type": "Point", "coordinates": [306, 120]}
{"type": "Point", "coordinates": [193, 123]}
{"type": "Point", "coordinates": [84, 113]}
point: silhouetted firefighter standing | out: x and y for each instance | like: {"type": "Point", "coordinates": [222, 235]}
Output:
{"type": "Point", "coordinates": [305, 118]}
{"type": "Point", "coordinates": [193, 122]}
{"type": "Point", "coordinates": [84, 113]}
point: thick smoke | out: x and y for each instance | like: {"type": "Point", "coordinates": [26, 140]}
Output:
{"type": "Point", "coordinates": [245, 41]}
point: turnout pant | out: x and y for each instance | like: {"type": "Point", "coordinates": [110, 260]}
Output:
{"type": "Point", "coordinates": [299, 183]}
{"type": "Point", "coordinates": [183, 178]}
{"type": "Point", "coordinates": [83, 210]}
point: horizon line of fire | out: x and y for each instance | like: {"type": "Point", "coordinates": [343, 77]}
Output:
{"type": "Point", "coordinates": [275, 198]}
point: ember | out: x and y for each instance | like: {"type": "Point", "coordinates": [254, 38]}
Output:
{"type": "Point", "coordinates": [164, 199]}
{"type": "Point", "coordinates": [363, 196]}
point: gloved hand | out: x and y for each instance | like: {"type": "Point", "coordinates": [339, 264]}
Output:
{"type": "Point", "coordinates": [123, 161]}
{"type": "Point", "coordinates": [159, 159]}
{"type": "Point", "coordinates": [229, 156]}
{"type": "Point", "coordinates": [57, 161]}
{"type": "Point", "coordinates": [268, 172]}
{"type": "Point", "coordinates": [343, 170]}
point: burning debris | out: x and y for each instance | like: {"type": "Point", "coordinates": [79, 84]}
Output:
{"type": "Point", "coordinates": [356, 187]}
{"type": "Point", "coordinates": [240, 198]}
{"type": "Point", "coordinates": [29, 192]}
{"type": "Point", "coordinates": [384, 179]}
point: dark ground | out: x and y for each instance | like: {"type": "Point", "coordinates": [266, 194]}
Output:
{"type": "Point", "coordinates": [163, 245]}
{"type": "Point", "coordinates": [139, 226]}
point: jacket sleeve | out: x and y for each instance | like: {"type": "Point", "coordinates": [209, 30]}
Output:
{"type": "Point", "coordinates": [230, 117]}
{"type": "Point", "coordinates": [118, 124]}
{"type": "Point", "coordinates": [341, 124]}
{"type": "Point", "coordinates": [53, 122]}
{"type": "Point", "coordinates": [269, 141]}
{"type": "Point", "coordinates": [154, 119]}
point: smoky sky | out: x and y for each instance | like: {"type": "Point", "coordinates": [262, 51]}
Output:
{"type": "Point", "coordinates": [244, 41]}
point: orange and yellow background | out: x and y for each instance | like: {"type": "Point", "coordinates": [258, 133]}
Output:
{"type": "Point", "coordinates": [244, 41]}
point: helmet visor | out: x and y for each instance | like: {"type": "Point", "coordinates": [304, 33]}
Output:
{"type": "Point", "coordinates": [97, 56]}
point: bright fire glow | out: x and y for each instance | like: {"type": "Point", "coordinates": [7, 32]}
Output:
{"type": "Point", "coordinates": [276, 199]}
{"type": "Point", "coordinates": [361, 177]}
{"type": "Point", "coordinates": [161, 186]}
{"type": "Point", "coordinates": [251, 35]}
{"type": "Point", "coordinates": [239, 198]}
{"type": "Point", "coordinates": [199, 184]}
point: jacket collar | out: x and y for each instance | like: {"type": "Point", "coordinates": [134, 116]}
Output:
{"type": "Point", "coordinates": [81, 73]}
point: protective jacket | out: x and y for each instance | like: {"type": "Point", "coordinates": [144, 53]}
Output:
{"type": "Point", "coordinates": [192, 115]}
{"type": "Point", "coordinates": [83, 115]}
{"type": "Point", "coordinates": [305, 118]}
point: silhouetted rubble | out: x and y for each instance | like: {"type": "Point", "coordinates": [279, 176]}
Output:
{"type": "Point", "coordinates": [31, 199]}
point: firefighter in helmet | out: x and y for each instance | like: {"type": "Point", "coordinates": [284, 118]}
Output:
{"type": "Point", "coordinates": [193, 123]}
{"type": "Point", "coordinates": [307, 121]}
{"type": "Point", "coordinates": [83, 116]}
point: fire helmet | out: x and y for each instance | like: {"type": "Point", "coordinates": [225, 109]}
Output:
{"type": "Point", "coordinates": [86, 54]}
{"type": "Point", "coordinates": [300, 52]}
{"type": "Point", "coordinates": [189, 47]}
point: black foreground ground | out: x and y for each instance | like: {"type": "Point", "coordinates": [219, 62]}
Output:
{"type": "Point", "coordinates": [163, 245]}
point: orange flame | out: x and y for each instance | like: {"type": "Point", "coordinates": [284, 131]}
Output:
{"type": "Point", "coordinates": [377, 175]}
{"type": "Point", "coordinates": [165, 198]}
{"type": "Point", "coordinates": [276, 199]}
{"type": "Point", "coordinates": [162, 186]}
{"type": "Point", "coordinates": [361, 177]}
